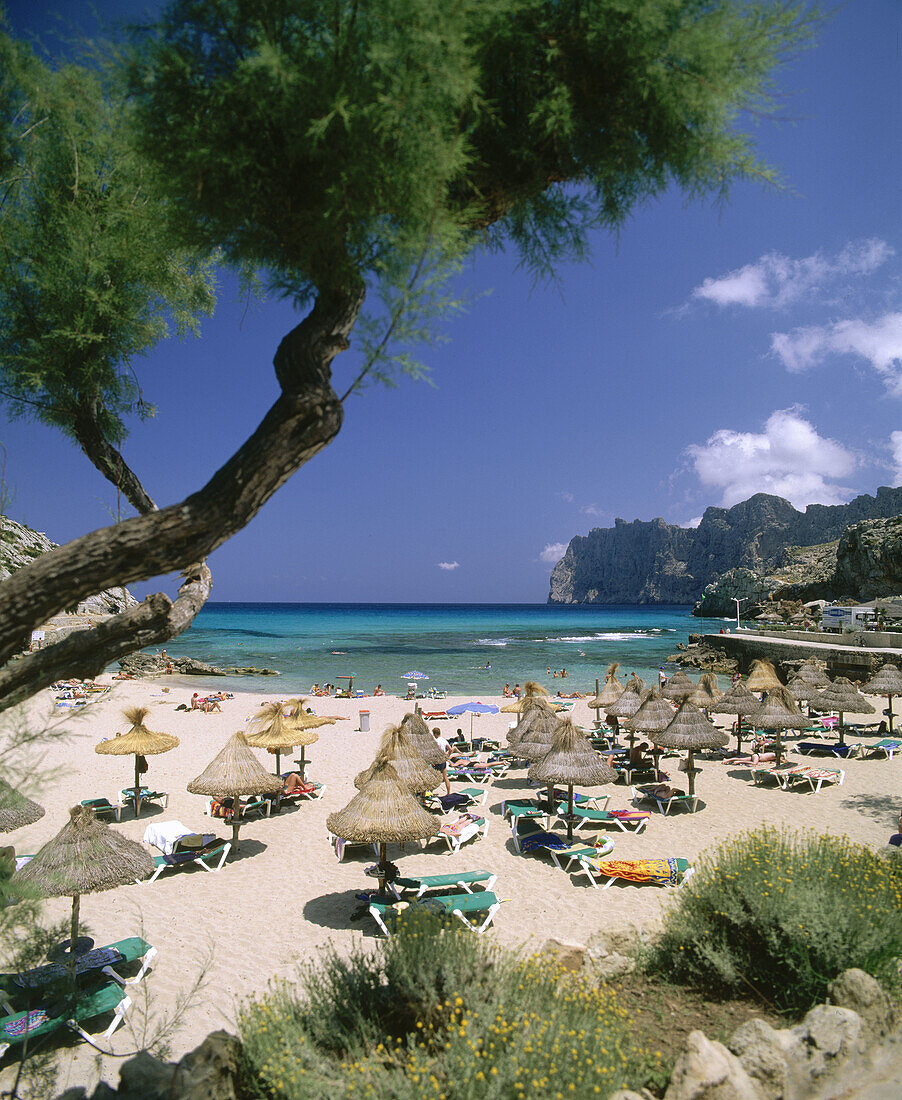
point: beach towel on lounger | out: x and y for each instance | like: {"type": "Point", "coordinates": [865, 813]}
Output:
{"type": "Point", "coordinates": [543, 840]}
{"type": "Point", "coordinates": [455, 828]}
{"type": "Point", "coordinates": [664, 872]}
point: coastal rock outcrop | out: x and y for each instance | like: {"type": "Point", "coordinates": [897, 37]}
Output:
{"type": "Point", "coordinates": [20, 545]}
{"type": "Point", "coordinates": [652, 561]}
{"type": "Point", "coordinates": [150, 664]}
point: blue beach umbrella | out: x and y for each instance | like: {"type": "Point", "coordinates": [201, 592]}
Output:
{"type": "Point", "coordinates": [414, 676]}
{"type": "Point", "coordinates": [473, 708]}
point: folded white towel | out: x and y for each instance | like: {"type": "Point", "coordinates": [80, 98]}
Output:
{"type": "Point", "coordinates": [165, 834]}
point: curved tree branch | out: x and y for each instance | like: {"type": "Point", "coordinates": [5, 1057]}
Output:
{"type": "Point", "coordinates": [107, 459]}
{"type": "Point", "coordinates": [86, 653]}
{"type": "Point", "coordinates": [304, 419]}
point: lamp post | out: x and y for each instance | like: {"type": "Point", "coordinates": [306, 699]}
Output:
{"type": "Point", "coordinates": [738, 601]}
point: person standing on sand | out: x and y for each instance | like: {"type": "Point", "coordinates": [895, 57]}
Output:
{"type": "Point", "coordinates": [445, 746]}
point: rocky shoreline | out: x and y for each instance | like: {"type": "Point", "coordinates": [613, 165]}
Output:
{"type": "Point", "coordinates": [154, 664]}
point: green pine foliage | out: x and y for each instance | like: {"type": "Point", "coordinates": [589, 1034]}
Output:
{"type": "Point", "coordinates": [780, 915]}
{"type": "Point", "coordinates": [437, 1012]}
{"type": "Point", "coordinates": [90, 275]}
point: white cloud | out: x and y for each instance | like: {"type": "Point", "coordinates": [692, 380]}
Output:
{"type": "Point", "coordinates": [694, 522]}
{"type": "Point", "coordinates": [775, 280]}
{"type": "Point", "coordinates": [449, 565]}
{"type": "Point", "coordinates": [568, 497]}
{"type": "Point", "coordinates": [788, 458]}
{"type": "Point", "coordinates": [592, 510]}
{"type": "Point", "coordinates": [879, 342]}
{"type": "Point", "coordinates": [553, 552]}
{"type": "Point", "coordinates": [895, 442]}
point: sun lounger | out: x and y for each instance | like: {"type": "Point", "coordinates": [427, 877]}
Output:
{"type": "Point", "coordinates": [660, 872]}
{"type": "Point", "coordinates": [181, 847]}
{"type": "Point", "coordinates": [633, 821]}
{"type": "Point", "coordinates": [463, 880]}
{"type": "Point", "coordinates": [127, 794]}
{"type": "Point", "coordinates": [782, 774]}
{"type": "Point", "coordinates": [102, 960]}
{"type": "Point", "coordinates": [886, 746]}
{"type": "Point", "coordinates": [102, 807]}
{"type": "Point", "coordinates": [457, 800]}
{"type": "Point", "coordinates": [807, 748]}
{"type": "Point", "coordinates": [461, 906]}
{"type": "Point", "coordinates": [664, 801]}
{"type": "Point", "coordinates": [256, 804]}
{"type": "Point", "coordinates": [435, 715]}
{"type": "Point", "coordinates": [529, 836]}
{"type": "Point", "coordinates": [21, 1027]}
{"type": "Point", "coordinates": [341, 845]}
{"type": "Point", "coordinates": [815, 778]}
{"type": "Point", "coordinates": [455, 833]}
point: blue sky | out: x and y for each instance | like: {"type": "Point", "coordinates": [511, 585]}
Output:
{"type": "Point", "coordinates": [709, 352]}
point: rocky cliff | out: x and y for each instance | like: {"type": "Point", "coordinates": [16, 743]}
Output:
{"type": "Point", "coordinates": [656, 562]}
{"type": "Point", "coordinates": [19, 546]}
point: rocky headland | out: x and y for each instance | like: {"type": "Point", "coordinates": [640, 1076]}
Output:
{"type": "Point", "coordinates": [758, 550]}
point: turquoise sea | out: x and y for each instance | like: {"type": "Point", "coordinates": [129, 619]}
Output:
{"type": "Point", "coordinates": [462, 648]}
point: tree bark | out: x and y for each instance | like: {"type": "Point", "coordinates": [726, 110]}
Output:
{"type": "Point", "coordinates": [304, 419]}
{"type": "Point", "coordinates": [108, 459]}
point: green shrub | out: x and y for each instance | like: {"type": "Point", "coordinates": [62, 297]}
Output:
{"type": "Point", "coordinates": [434, 1011]}
{"type": "Point", "coordinates": [780, 915]}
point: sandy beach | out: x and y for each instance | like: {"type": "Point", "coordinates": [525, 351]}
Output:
{"type": "Point", "coordinates": [284, 894]}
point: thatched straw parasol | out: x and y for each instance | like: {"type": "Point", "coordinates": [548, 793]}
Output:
{"type": "Point", "coordinates": [843, 696]}
{"type": "Point", "coordinates": [690, 730]}
{"type": "Point", "coordinates": [779, 712]}
{"type": "Point", "coordinates": [707, 693]}
{"type": "Point", "coordinates": [397, 749]}
{"type": "Point", "coordinates": [537, 710]}
{"type": "Point", "coordinates": [815, 672]}
{"type": "Point", "coordinates": [233, 773]}
{"type": "Point", "coordinates": [887, 682]}
{"type": "Point", "coordinates": [416, 730]}
{"type": "Point", "coordinates": [679, 686]}
{"type": "Point", "coordinates": [16, 810]}
{"type": "Point", "coordinates": [611, 691]}
{"type": "Point", "coordinates": [305, 723]}
{"type": "Point", "coordinates": [739, 701]}
{"type": "Point", "coordinates": [654, 715]}
{"type": "Point", "coordinates": [270, 729]}
{"type": "Point", "coordinates": [531, 692]}
{"type": "Point", "coordinates": [535, 741]}
{"type": "Point", "coordinates": [625, 706]}
{"type": "Point", "coordinates": [382, 811]}
{"type": "Point", "coordinates": [573, 761]}
{"type": "Point", "coordinates": [762, 677]}
{"type": "Point", "coordinates": [139, 740]}
{"type": "Point", "coordinates": [85, 857]}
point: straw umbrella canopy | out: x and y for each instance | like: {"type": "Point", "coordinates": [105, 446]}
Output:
{"type": "Point", "coordinates": [779, 712]}
{"type": "Point", "coordinates": [536, 740]}
{"type": "Point", "coordinates": [16, 810]}
{"type": "Point", "coordinates": [414, 726]}
{"type": "Point", "coordinates": [413, 771]}
{"type": "Point", "coordinates": [887, 682]}
{"type": "Point", "coordinates": [270, 729]}
{"type": "Point", "coordinates": [305, 723]}
{"type": "Point", "coordinates": [739, 701]}
{"type": "Point", "coordinates": [383, 810]}
{"type": "Point", "coordinates": [233, 773]}
{"type": "Point", "coordinates": [690, 730]}
{"type": "Point", "coordinates": [625, 706]}
{"type": "Point", "coordinates": [85, 857]}
{"type": "Point", "coordinates": [654, 715]}
{"type": "Point", "coordinates": [531, 691]}
{"type": "Point", "coordinates": [843, 696]}
{"type": "Point", "coordinates": [573, 761]}
{"type": "Point", "coordinates": [707, 693]}
{"type": "Point", "coordinates": [537, 710]}
{"type": "Point", "coordinates": [803, 690]}
{"type": "Point", "coordinates": [139, 740]}
{"type": "Point", "coordinates": [762, 677]}
{"type": "Point", "coordinates": [679, 686]}
{"type": "Point", "coordinates": [611, 691]}
{"type": "Point", "coordinates": [811, 671]}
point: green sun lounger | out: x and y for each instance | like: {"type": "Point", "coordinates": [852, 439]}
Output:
{"type": "Point", "coordinates": [102, 960]}
{"type": "Point", "coordinates": [524, 828]}
{"type": "Point", "coordinates": [462, 906]}
{"type": "Point", "coordinates": [36, 1023]}
{"type": "Point", "coordinates": [103, 807]}
{"type": "Point", "coordinates": [462, 879]}
{"type": "Point", "coordinates": [629, 821]}
{"type": "Point", "coordinates": [668, 873]}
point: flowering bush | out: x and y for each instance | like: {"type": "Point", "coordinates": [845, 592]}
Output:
{"type": "Point", "coordinates": [781, 914]}
{"type": "Point", "coordinates": [436, 1012]}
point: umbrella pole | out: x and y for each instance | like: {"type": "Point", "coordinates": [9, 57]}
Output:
{"type": "Point", "coordinates": [382, 869]}
{"type": "Point", "coordinates": [236, 819]}
{"type": "Point", "coordinates": [549, 798]}
{"type": "Point", "coordinates": [302, 765]}
{"type": "Point", "coordinates": [569, 813]}
{"type": "Point", "coordinates": [890, 715]}
{"type": "Point", "coordinates": [691, 764]}
{"type": "Point", "coordinates": [778, 759]}
{"type": "Point", "coordinates": [739, 733]}
{"type": "Point", "coordinates": [137, 788]}
{"type": "Point", "coordinates": [842, 731]}
{"type": "Point", "coordinates": [73, 937]}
